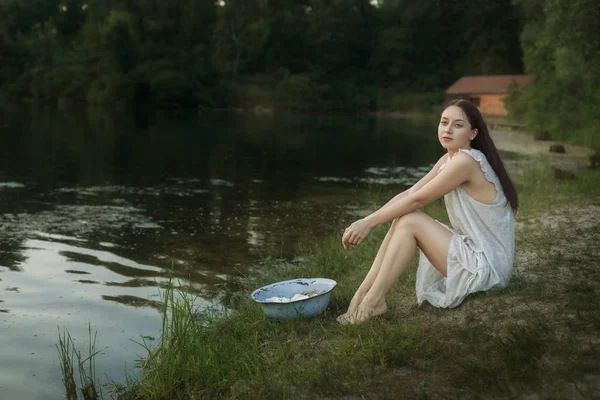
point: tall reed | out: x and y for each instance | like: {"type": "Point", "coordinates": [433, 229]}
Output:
{"type": "Point", "coordinates": [66, 352]}
{"type": "Point", "coordinates": [87, 375]}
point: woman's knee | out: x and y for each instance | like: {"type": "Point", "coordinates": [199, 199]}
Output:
{"type": "Point", "coordinates": [409, 221]}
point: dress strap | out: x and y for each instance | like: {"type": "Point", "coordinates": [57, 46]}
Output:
{"type": "Point", "coordinates": [487, 169]}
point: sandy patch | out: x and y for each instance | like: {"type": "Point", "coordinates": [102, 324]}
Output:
{"type": "Point", "coordinates": [519, 142]}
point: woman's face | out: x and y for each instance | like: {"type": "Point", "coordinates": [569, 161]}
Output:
{"type": "Point", "coordinates": [454, 131]}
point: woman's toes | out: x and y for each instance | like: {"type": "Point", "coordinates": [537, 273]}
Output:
{"type": "Point", "coordinates": [342, 319]}
{"type": "Point", "coordinates": [365, 312]}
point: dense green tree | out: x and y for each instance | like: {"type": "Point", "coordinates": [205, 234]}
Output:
{"type": "Point", "coordinates": [259, 36]}
{"type": "Point", "coordinates": [561, 47]}
{"type": "Point", "coordinates": [307, 54]}
{"type": "Point", "coordinates": [490, 43]}
{"type": "Point", "coordinates": [341, 34]}
{"type": "Point", "coordinates": [435, 42]}
{"type": "Point", "coordinates": [70, 16]}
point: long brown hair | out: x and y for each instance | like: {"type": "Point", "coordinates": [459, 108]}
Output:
{"type": "Point", "coordinates": [484, 143]}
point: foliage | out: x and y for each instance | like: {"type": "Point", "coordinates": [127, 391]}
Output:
{"type": "Point", "coordinates": [561, 50]}
{"type": "Point", "coordinates": [299, 54]}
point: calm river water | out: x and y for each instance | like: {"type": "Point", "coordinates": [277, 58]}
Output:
{"type": "Point", "coordinates": [98, 209]}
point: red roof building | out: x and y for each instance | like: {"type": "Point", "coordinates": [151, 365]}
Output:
{"type": "Point", "coordinates": [487, 92]}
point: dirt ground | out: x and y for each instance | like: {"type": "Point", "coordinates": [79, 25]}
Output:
{"type": "Point", "coordinates": [519, 142]}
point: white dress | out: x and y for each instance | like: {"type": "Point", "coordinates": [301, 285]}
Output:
{"type": "Point", "coordinates": [482, 248]}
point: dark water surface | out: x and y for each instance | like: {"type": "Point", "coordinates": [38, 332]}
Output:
{"type": "Point", "coordinates": [97, 210]}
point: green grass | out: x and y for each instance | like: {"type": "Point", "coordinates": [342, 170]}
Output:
{"type": "Point", "coordinates": [68, 356]}
{"type": "Point", "coordinates": [539, 337]}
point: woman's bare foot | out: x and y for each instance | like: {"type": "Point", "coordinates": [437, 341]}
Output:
{"type": "Point", "coordinates": [354, 303]}
{"type": "Point", "coordinates": [363, 313]}
{"type": "Point", "coordinates": [342, 319]}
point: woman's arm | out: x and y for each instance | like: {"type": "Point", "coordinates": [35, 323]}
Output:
{"type": "Point", "coordinates": [422, 182]}
{"type": "Point", "coordinates": [455, 174]}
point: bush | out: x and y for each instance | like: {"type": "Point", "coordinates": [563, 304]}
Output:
{"type": "Point", "coordinates": [172, 87]}
{"type": "Point", "coordinates": [402, 99]}
{"type": "Point", "coordinates": [297, 92]}
{"type": "Point", "coordinates": [110, 89]}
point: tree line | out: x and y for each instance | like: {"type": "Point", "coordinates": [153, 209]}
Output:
{"type": "Point", "coordinates": [312, 55]}
{"type": "Point", "coordinates": [342, 55]}
{"type": "Point", "coordinates": [561, 49]}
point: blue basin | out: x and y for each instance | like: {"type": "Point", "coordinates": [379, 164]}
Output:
{"type": "Point", "coordinates": [319, 288]}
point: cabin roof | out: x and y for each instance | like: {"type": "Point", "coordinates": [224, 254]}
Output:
{"type": "Point", "coordinates": [487, 84]}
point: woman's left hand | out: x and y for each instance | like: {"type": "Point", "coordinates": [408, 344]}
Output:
{"type": "Point", "coordinates": [355, 233]}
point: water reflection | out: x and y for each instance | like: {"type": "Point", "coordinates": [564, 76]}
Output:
{"type": "Point", "coordinates": [134, 301]}
{"type": "Point", "coordinates": [97, 213]}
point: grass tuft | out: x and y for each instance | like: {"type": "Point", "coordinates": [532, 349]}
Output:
{"type": "Point", "coordinates": [87, 376]}
{"type": "Point", "coordinates": [66, 354]}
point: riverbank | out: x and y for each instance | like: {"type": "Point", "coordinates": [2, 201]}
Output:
{"type": "Point", "coordinates": [537, 339]}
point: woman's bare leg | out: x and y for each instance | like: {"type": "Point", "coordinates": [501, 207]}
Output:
{"type": "Point", "coordinates": [370, 278]}
{"type": "Point", "coordinates": [409, 232]}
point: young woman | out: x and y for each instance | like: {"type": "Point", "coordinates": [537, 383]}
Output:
{"type": "Point", "coordinates": [476, 254]}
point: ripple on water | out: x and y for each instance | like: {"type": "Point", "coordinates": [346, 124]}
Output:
{"type": "Point", "coordinates": [57, 237]}
{"type": "Point", "coordinates": [74, 271]}
{"type": "Point", "coordinates": [73, 222]}
{"type": "Point", "coordinates": [221, 182]}
{"type": "Point", "coordinates": [100, 255]}
{"type": "Point", "coordinates": [400, 175]}
{"type": "Point", "coordinates": [155, 191]}
{"type": "Point", "coordinates": [11, 185]}
{"type": "Point", "coordinates": [333, 179]}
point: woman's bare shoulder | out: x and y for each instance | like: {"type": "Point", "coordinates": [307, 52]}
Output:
{"type": "Point", "coordinates": [442, 160]}
{"type": "Point", "coordinates": [465, 161]}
